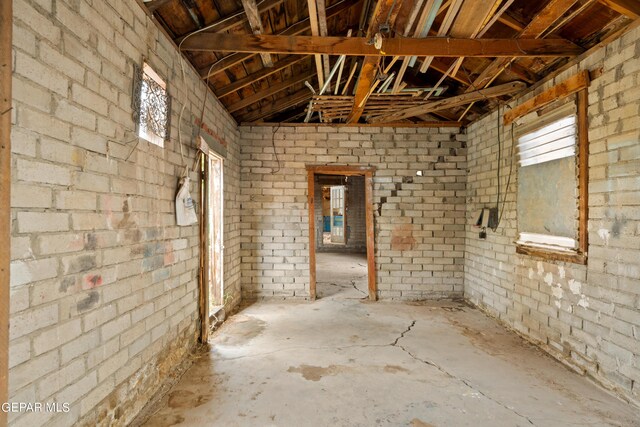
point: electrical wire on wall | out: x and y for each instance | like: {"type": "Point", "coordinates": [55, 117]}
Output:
{"type": "Point", "coordinates": [275, 153]}
{"type": "Point", "coordinates": [506, 190]}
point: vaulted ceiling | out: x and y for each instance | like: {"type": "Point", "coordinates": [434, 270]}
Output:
{"type": "Point", "coordinates": [381, 61]}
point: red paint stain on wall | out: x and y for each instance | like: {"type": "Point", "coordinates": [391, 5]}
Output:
{"type": "Point", "coordinates": [402, 238]}
{"type": "Point", "coordinates": [169, 257]}
{"type": "Point", "coordinates": [91, 281]}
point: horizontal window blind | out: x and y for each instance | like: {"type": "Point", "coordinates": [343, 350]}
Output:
{"type": "Point", "coordinates": [553, 141]}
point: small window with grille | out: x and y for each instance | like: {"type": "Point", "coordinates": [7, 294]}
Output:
{"type": "Point", "coordinates": [151, 105]}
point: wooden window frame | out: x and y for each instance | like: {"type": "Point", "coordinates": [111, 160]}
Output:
{"type": "Point", "coordinates": [148, 134]}
{"type": "Point", "coordinates": [579, 85]}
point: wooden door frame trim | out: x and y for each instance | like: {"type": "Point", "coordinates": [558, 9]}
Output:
{"type": "Point", "coordinates": [347, 170]}
{"type": "Point", "coordinates": [205, 267]}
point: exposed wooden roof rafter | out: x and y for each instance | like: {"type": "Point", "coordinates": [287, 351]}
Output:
{"type": "Point", "coordinates": [271, 90]}
{"type": "Point", "coordinates": [630, 8]}
{"type": "Point", "coordinates": [259, 75]}
{"type": "Point", "coordinates": [226, 52]}
{"type": "Point", "coordinates": [369, 70]}
{"type": "Point", "coordinates": [303, 95]}
{"type": "Point", "coordinates": [358, 46]}
{"type": "Point", "coordinates": [253, 16]}
{"type": "Point", "coordinates": [536, 28]}
{"type": "Point", "coordinates": [297, 28]}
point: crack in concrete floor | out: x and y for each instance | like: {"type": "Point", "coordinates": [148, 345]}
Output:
{"type": "Point", "coordinates": [444, 371]}
{"type": "Point", "coordinates": [344, 362]}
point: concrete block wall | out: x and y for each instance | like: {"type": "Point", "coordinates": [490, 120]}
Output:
{"type": "Point", "coordinates": [104, 285]}
{"type": "Point", "coordinates": [587, 316]}
{"type": "Point", "coordinates": [419, 220]}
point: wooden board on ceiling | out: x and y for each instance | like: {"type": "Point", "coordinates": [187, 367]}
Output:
{"type": "Point", "coordinates": [586, 28]}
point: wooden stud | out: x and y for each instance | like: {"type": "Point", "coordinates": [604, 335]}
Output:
{"type": "Point", "coordinates": [253, 16]}
{"type": "Point", "coordinates": [568, 87]}
{"type": "Point", "coordinates": [357, 46]}
{"type": "Point", "coordinates": [6, 46]}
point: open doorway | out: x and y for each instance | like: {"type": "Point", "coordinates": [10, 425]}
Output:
{"type": "Point", "coordinates": [212, 259]}
{"type": "Point", "coordinates": [341, 258]}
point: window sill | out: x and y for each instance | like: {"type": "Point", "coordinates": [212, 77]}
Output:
{"type": "Point", "coordinates": [551, 255]}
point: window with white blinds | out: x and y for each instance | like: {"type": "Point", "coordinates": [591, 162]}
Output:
{"type": "Point", "coordinates": [551, 142]}
{"type": "Point", "coordinates": [547, 202]}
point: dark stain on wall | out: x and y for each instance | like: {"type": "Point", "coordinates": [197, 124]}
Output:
{"type": "Point", "coordinates": [82, 263]}
{"type": "Point", "coordinates": [617, 226]}
{"type": "Point", "coordinates": [90, 301]}
{"type": "Point", "coordinates": [67, 282]}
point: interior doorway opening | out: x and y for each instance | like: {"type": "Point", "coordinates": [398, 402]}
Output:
{"type": "Point", "coordinates": [341, 251]}
{"type": "Point", "coordinates": [341, 244]}
{"type": "Point", "coordinates": [212, 294]}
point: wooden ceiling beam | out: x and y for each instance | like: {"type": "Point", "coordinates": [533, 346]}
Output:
{"type": "Point", "coordinates": [358, 46]}
{"type": "Point", "coordinates": [253, 16]}
{"type": "Point", "coordinates": [568, 87]}
{"type": "Point", "coordinates": [324, 31]}
{"type": "Point", "coordinates": [545, 18]}
{"type": "Point", "coordinates": [454, 101]}
{"type": "Point", "coordinates": [234, 20]}
{"type": "Point", "coordinates": [538, 25]}
{"type": "Point", "coordinates": [536, 29]}
{"type": "Point", "coordinates": [315, 31]}
{"type": "Point", "coordinates": [297, 28]}
{"type": "Point", "coordinates": [259, 75]}
{"type": "Point", "coordinates": [271, 90]}
{"type": "Point", "coordinates": [424, 24]}
{"type": "Point", "coordinates": [630, 8]}
{"type": "Point", "coordinates": [369, 70]}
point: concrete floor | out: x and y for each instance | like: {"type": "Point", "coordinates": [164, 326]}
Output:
{"type": "Point", "coordinates": [346, 362]}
